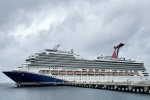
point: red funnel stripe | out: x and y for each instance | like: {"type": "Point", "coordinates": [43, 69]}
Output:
{"type": "Point", "coordinates": [114, 54]}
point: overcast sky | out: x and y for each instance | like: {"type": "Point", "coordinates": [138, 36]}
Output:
{"type": "Point", "coordinates": [90, 27]}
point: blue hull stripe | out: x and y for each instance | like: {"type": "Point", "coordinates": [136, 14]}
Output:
{"type": "Point", "coordinates": [30, 77]}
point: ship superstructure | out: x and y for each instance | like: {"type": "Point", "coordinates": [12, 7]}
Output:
{"type": "Point", "coordinates": [53, 65]}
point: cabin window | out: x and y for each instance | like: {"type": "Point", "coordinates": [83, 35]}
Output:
{"type": "Point", "coordinates": [146, 75]}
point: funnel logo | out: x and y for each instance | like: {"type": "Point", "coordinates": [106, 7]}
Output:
{"type": "Point", "coordinates": [116, 50]}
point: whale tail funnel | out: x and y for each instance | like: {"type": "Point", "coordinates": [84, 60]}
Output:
{"type": "Point", "coordinates": [116, 50]}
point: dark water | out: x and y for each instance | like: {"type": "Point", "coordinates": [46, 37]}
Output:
{"type": "Point", "coordinates": [11, 92]}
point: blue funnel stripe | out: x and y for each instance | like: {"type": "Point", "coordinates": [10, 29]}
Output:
{"type": "Point", "coordinates": [118, 51]}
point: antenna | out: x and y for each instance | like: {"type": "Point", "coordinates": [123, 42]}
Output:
{"type": "Point", "coordinates": [56, 46]}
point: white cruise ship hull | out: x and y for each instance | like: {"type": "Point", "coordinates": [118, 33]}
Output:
{"type": "Point", "coordinates": [25, 76]}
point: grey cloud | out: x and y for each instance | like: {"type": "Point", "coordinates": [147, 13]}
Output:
{"type": "Point", "coordinates": [7, 40]}
{"type": "Point", "coordinates": [16, 12]}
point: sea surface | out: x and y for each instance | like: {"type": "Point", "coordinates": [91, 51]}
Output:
{"type": "Point", "coordinates": [11, 92]}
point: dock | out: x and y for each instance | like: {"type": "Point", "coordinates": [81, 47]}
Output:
{"type": "Point", "coordinates": [132, 87]}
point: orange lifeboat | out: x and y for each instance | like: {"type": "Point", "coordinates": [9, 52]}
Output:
{"type": "Point", "coordinates": [126, 73]}
{"type": "Point", "coordinates": [115, 73]}
{"type": "Point", "coordinates": [84, 72]}
{"type": "Point", "coordinates": [103, 73]}
{"type": "Point", "coordinates": [62, 72]}
{"type": "Point", "coordinates": [121, 73]}
{"type": "Point", "coordinates": [131, 73]}
{"type": "Point", "coordinates": [77, 72]}
{"type": "Point", "coordinates": [97, 73]}
{"type": "Point", "coordinates": [54, 72]}
{"type": "Point", "coordinates": [70, 72]}
{"type": "Point", "coordinates": [91, 73]}
{"type": "Point", "coordinates": [109, 73]}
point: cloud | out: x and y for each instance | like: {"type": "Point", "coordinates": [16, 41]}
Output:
{"type": "Point", "coordinates": [89, 27]}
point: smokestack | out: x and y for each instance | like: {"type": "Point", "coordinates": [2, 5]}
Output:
{"type": "Point", "coordinates": [115, 54]}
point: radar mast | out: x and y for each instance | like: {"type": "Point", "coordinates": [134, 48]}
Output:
{"type": "Point", "coordinates": [56, 46]}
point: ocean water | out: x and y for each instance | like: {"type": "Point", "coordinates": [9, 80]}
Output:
{"type": "Point", "coordinates": [11, 92]}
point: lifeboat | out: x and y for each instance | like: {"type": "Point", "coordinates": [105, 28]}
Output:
{"type": "Point", "coordinates": [97, 73]}
{"type": "Point", "coordinates": [109, 73]}
{"type": "Point", "coordinates": [131, 73]}
{"type": "Point", "coordinates": [70, 72]}
{"type": "Point", "coordinates": [77, 72]}
{"type": "Point", "coordinates": [84, 73]}
{"type": "Point", "coordinates": [91, 73]}
{"type": "Point", "coordinates": [62, 72]}
{"type": "Point", "coordinates": [126, 73]}
{"type": "Point", "coordinates": [103, 73]}
{"type": "Point", "coordinates": [121, 73]}
{"type": "Point", "coordinates": [54, 72]}
{"type": "Point", "coordinates": [115, 73]}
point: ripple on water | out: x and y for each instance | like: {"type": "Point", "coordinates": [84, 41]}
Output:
{"type": "Point", "coordinates": [11, 92]}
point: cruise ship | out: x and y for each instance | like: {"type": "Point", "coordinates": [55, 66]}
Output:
{"type": "Point", "coordinates": [54, 65]}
